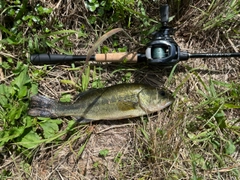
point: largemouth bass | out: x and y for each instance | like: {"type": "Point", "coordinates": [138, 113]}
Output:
{"type": "Point", "coordinates": [110, 103]}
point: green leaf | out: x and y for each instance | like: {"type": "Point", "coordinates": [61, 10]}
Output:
{"type": "Point", "coordinates": [41, 10]}
{"type": "Point", "coordinates": [10, 134]}
{"type": "Point", "coordinates": [4, 94]}
{"type": "Point", "coordinates": [50, 128]}
{"type": "Point", "coordinates": [4, 101]}
{"type": "Point", "coordinates": [22, 79]}
{"type": "Point", "coordinates": [145, 133]}
{"type": "Point", "coordinates": [92, 19]}
{"type": "Point", "coordinates": [22, 10]}
{"type": "Point", "coordinates": [117, 158]}
{"type": "Point", "coordinates": [15, 111]}
{"type": "Point", "coordinates": [19, 68]}
{"type": "Point", "coordinates": [70, 82]}
{"type": "Point", "coordinates": [30, 140]}
{"type": "Point", "coordinates": [92, 5]}
{"type": "Point", "coordinates": [230, 148]}
{"type": "Point", "coordinates": [92, 8]}
{"type": "Point", "coordinates": [28, 122]}
{"type": "Point", "coordinates": [66, 98]}
{"type": "Point", "coordinates": [231, 106]}
{"type": "Point", "coordinates": [5, 65]}
{"type": "Point", "coordinates": [34, 89]}
{"type": "Point", "coordinates": [12, 114]}
{"type": "Point", "coordinates": [105, 49]}
{"type": "Point", "coordinates": [104, 152]}
{"type": "Point", "coordinates": [199, 160]}
{"type": "Point", "coordinates": [82, 148]}
{"type": "Point", "coordinates": [3, 89]}
{"type": "Point", "coordinates": [3, 29]}
{"type": "Point", "coordinates": [70, 125]}
{"type": "Point", "coordinates": [221, 119]}
{"type": "Point", "coordinates": [22, 92]}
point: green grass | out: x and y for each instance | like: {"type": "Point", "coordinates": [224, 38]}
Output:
{"type": "Point", "coordinates": [196, 138]}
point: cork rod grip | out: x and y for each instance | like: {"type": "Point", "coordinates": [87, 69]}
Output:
{"type": "Point", "coordinates": [117, 57]}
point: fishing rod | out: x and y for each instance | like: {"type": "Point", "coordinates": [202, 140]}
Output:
{"type": "Point", "coordinates": [162, 50]}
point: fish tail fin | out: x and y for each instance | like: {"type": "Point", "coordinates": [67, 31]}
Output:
{"type": "Point", "coordinates": [42, 106]}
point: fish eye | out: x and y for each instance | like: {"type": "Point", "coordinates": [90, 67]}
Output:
{"type": "Point", "coordinates": [162, 93]}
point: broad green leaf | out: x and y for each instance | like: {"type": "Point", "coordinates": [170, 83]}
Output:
{"type": "Point", "coordinates": [230, 148]}
{"type": "Point", "coordinates": [7, 135]}
{"type": "Point", "coordinates": [70, 125]}
{"type": "Point", "coordinates": [221, 119]}
{"type": "Point", "coordinates": [66, 98]}
{"type": "Point", "coordinates": [42, 10]}
{"type": "Point", "coordinates": [92, 1]}
{"type": "Point", "coordinates": [50, 128]}
{"type": "Point", "coordinates": [3, 101]}
{"type": "Point", "coordinates": [28, 121]}
{"type": "Point", "coordinates": [30, 140]}
{"type": "Point", "coordinates": [22, 79]}
{"type": "Point", "coordinates": [92, 8]}
{"type": "Point", "coordinates": [34, 89]}
{"type": "Point", "coordinates": [4, 90]}
{"type": "Point", "coordinates": [22, 92]}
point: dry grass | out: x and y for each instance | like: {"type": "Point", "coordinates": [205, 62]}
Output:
{"type": "Point", "coordinates": [156, 147]}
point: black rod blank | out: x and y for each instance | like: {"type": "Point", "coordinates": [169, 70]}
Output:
{"type": "Point", "coordinates": [212, 55]}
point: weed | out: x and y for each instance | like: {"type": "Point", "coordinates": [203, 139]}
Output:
{"type": "Point", "coordinates": [228, 14]}
{"type": "Point", "coordinates": [18, 128]}
{"type": "Point", "coordinates": [221, 15]}
{"type": "Point", "coordinates": [116, 6]}
{"type": "Point", "coordinates": [178, 7]}
{"type": "Point", "coordinates": [103, 153]}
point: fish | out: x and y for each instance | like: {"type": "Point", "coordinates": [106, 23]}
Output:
{"type": "Point", "coordinates": [115, 102]}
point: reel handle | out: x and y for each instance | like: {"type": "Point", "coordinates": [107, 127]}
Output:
{"type": "Point", "coordinates": [164, 13]}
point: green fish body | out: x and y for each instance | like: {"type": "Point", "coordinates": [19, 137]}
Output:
{"type": "Point", "coordinates": [111, 103]}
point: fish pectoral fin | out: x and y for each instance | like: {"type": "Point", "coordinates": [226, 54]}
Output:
{"type": "Point", "coordinates": [83, 120]}
{"type": "Point", "coordinates": [126, 105]}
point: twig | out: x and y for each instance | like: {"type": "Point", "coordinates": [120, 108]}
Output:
{"type": "Point", "coordinates": [233, 46]}
{"type": "Point", "coordinates": [113, 127]}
